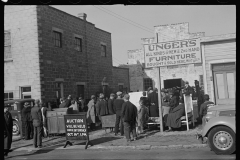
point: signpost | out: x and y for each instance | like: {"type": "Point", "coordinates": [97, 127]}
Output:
{"type": "Point", "coordinates": [159, 100]}
{"type": "Point", "coordinates": [76, 128]}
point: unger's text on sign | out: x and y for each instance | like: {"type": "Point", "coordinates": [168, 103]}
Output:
{"type": "Point", "coordinates": [172, 53]}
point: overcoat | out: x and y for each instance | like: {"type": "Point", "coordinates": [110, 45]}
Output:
{"type": "Point", "coordinates": [111, 109]}
{"type": "Point", "coordinates": [153, 109]}
{"type": "Point", "coordinates": [174, 117]}
{"type": "Point", "coordinates": [102, 108]}
{"type": "Point", "coordinates": [8, 125]}
{"type": "Point", "coordinates": [91, 113]}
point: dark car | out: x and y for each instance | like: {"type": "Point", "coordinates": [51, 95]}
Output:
{"type": "Point", "coordinates": [15, 108]}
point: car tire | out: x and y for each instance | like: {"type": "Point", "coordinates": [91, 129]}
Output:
{"type": "Point", "coordinates": [222, 140]}
{"type": "Point", "coordinates": [16, 128]}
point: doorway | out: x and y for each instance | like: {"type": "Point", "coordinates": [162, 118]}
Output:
{"type": "Point", "coordinates": [224, 76]}
{"type": "Point", "coordinates": [80, 90]}
{"type": "Point", "coordinates": [170, 83]}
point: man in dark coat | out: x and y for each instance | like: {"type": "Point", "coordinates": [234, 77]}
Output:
{"type": "Point", "coordinates": [64, 103]}
{"type": "Point", "coordinates": [68, 101]}
{"type": "Point", "coordinates": [111, 110]}
{"type": "Point", "coordinates": [117, 104]}
{"type": "Point", "coordinates": [8, 125]}
{"type": "Point", "coordinates": [204, 106]}
{"type": "Point", "coordinates": [26, 120]}
{"type": "Point", "coordinates": [173, 119]}
{"type": "Point", "coordinates": [101, 106]}
{"type": "Point", "coordinates": [37, 124]}
{"type": "Point", "coordinates": [153, 109]}
{"type": "Point", "coordinates": [129, 115]}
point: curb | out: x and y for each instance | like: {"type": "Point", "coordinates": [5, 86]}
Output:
{"type": "Point", "coordinates": [140, 147]}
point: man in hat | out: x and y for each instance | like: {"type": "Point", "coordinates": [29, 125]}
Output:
{"type": "Point", "coordinates": [37, 124]}
{"type": "Point", "coordinates": [153, 109]}
{"type": "Point", "coordinates": [204, 106]}
{"type": "Point", "coordinates": [129, 115]}
{"type": "Point", "coordinates": [63, 104]}
{"type": "Point", "coordinates": [117, 105]}
{"type": "Point", "coordinates": [26, 120]}
{"type": "Point", "coordinates": [68, 101]}
{"type": "Point", "coordinates": [187, 89]}
{"type": "Point", "coordinates": [111, 109]}
{"type": "Point", "coordinates": [101, 106]}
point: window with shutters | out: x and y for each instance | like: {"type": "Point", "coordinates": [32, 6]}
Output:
{"type": "Point", "coordinates": [78, 44]}
{"type": "Point", "coordinates": [7, 45]}
{"type": "Point", "coordinates": [57, 39]}
{"type": "Point", "coordinates": [103, 50]}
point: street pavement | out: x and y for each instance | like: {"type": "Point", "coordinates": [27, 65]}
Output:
{"type": "Point", "coordinates": [67, 154]}
{"type": "Point", "coordinates": [151, 145]}
{"type": "Point", "coordinates": [151, 139]}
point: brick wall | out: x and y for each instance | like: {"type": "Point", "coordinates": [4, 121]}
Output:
{"type": "Point", "coordinates": [23, 68]}
{"type": "Point", "coordinates": [120, 75]}
{"type": "Point", "coordinates": [66, 63]}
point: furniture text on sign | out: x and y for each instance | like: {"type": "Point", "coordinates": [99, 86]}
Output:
{"type": "Point", "coordinates": [172, 53]}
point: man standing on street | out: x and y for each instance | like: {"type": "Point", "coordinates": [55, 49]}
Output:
{"type": "Point", "coordinates": [101, 107]}
{"type": "Point", "coordinates": [37, 124]}
{"type": "Point", "coordinates": [117, 105]}
{"type": "Point", "coordinates": [111, 109]}
{"type": "Point", "coordinates": [26, 119]}
{"type": "Point", "coordinates": [204, 106]}
{"type": "Point", "coordinates": [129, 115]}
{"type": "Point", "coordinates": [8, 125]}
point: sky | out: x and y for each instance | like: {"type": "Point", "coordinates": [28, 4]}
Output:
{"type": "Point", "coordinates": [128, 24]}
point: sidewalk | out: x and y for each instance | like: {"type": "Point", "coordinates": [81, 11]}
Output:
{"type": "Point", "coordinates": [152, 139]}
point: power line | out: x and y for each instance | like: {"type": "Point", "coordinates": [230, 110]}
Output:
{"type": "Point", "coordinates": [124, 20]}
{"type": "Point", "coordinates": [134, 22]}
{"type": "Point", "coordinates": [118, 61]}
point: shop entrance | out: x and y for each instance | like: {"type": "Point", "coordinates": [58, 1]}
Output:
{"type": "Point", "coordinates": [170, 83]}
{"type": "Point", "coordinates": [224, 76]}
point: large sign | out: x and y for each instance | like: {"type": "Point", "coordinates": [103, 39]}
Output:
{"type": "Point", "coordinates": [172, 53]}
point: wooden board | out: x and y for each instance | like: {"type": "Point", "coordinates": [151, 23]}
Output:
{"type": "Point", "coordinates": [108, 121]}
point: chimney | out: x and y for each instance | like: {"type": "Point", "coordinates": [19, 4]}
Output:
{"type": "Point", "coordinates": [82, 16]}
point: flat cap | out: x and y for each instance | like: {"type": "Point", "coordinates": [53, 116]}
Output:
{"type": "Point", "coordinates": [119, 93]}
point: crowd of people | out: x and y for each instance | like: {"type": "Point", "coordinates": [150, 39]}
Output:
{"type": "Point", "coordinates": [130, 119]}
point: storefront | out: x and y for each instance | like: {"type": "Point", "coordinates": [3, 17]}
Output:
{"type": "Point", "coordinates": [219, 63]}
{"type": "Point", "coordinates": [184, 56]}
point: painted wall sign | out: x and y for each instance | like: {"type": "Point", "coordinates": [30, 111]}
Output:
{"type": "Point", "coordinates": [172, 53]}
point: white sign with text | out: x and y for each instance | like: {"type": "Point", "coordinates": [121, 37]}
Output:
{"type": "Point", "coordinates": [172, 53]}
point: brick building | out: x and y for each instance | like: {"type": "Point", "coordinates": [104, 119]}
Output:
{"type": "Point", "coordinates": [49, 53]}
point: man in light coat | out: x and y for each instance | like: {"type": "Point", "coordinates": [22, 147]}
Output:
{"type": "Point", "coordinates": [91, 113]}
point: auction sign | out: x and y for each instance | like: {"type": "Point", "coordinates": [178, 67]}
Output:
{"type": "Point", "coordinates": [172, 53]}
{"type": "Point", "coordinates": [76, 128]}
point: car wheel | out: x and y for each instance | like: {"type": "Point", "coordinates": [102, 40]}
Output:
{"type": "Point", "coordinates": [16, 128]}
{"type": "Point", "coordinates": [222, 140]}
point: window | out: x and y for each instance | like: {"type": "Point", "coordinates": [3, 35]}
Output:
{"type": "Point", "coordinates": [78, 44]}
{"type": "Point", "coordinates": [7, 45]}
{"type": "Point", "coordinates": [103, 50]}
{"type": "Point", "coordinates": [57, 38]}
{"type": "Point", "coordinates": [8, 96]}
{"type": "Point", "coordinates": [26, 92]}
{"type": "Point", "coordinates": [120, 88]}
{"type": "Point", "coordinates": [147, 83]}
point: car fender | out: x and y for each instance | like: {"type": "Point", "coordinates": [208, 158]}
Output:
{"type": "Point", "coordinates": [217, 121]}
